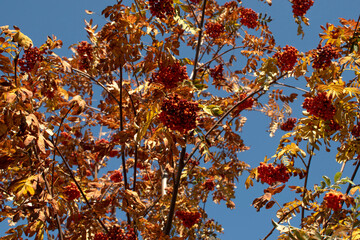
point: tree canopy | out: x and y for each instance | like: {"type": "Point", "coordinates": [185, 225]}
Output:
{"type": "Point", "coordinates": [174, 122]}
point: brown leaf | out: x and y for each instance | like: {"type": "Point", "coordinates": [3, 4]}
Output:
{"type": "Point", "coordinates": [89, 12]}
{"type": "Point", "coordinates": [28, 140]}
{"type": "Point", "coordinates": [41, 143]}
{"type": "Point", "coordinates": [270, 204]}
{"type": "Point", "coordinates": [274, 189]}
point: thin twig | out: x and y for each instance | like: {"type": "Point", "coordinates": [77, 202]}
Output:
{"type": "Point", "coordinates": [305, 182]}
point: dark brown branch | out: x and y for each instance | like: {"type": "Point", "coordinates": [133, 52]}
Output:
{"type": "Point", "coordinates": [181, 165]}
{"type": "Point", "coordinates": [123, 160]}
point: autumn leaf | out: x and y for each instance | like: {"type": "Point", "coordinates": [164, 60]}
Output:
{"type": "Point", "coordinates": [22, 40]}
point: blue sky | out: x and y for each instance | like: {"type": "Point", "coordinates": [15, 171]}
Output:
{"type": "Point", "coordinates": [65, 19]}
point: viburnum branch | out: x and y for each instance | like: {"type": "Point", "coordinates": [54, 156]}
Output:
{"type": "Point", "coordinates": [305, 182]}
{"type": "Point", "coordinates": [199, 41]}
{"type": "Point", "coordinates": [181, 165]}
{"type": "Point", "coordinates": [71, 174]}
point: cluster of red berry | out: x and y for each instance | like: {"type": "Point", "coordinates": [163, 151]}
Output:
{"type": "Point", "coordinates": [356, 130]}
{"type": "Point", "coordinates": [270, 174]}
{"type": "Point", "coordinates": [116, 233]}
{"type": "Point", "coordinates": [287, 58]}
{"type": "Point", "coordinates": [72, 192]}
{"type": "Point", "coordinates": [116, 176]}
{"type": "Point", "coordinates": [320, 106]}
{"type": "Point", "coordinates": [288, 125]}
{"type": "Point", "coordinates": [179, 114]}
{"type": "Point", "coordinates": [248, 103]}
{"type": "Point", "coordinates": [31, 56]}
{"type": "Point", "coordinates": [162, 8]}
{"type": "Point", "coordinates": [300, 7]}
{"type": "Point", "coordinates": [214, 30]}
{"type": "Point", "coordinates": [324, 55]}
{"type": "Point", "coordinates": [188, 218]}
{"type": "Point", "coordinates": [217, 73]}
{"type": "Point", "coordinates": [248, 18]}
{"type": "Point", "coordinates": [333, 200]}
{"type": "Point", "coordinates": [209, 184]}
{"type": "Point", "coordinates": [84, 49]}
{"type": "Point", "coordinates": [170, 75]}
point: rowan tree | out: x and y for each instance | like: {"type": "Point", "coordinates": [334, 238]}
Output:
{"type": "Point", "coordinates": [174, 123]}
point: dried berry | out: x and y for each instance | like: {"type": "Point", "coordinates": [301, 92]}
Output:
{"type": "Point", "coordinates": [170, 75]}
{"type": "Point", "coordinates": [85, 52]}
{"type": "Point", "coordinates": [320, 106]}
{"type": "Point", "coordinates": [188, 218]}
{"type": "Point", "coordinates": [300, 7]}
{"type": "Point", "coordinates": [31, 56]}
{"type": "Point", "coordinates": [214, 30]}
{"type": "Point", "coordinates": [179, 114]}
{"type": "Point", "coordinates": [116, 176]}
{"type": "Point", "coordinates": [248, 18]}
{"type": "Point", "coordinates": [72, 192]}
{"type": "Point", "coordinates": [288, 125]}
{"type": "Point", "coordinates": [324, 55]}
{"type": "Point", "coordinates": [270, 174]}
{"type": "Point", "coordinates": [333, 200]}
{"type": "Point", "coordinates": [287, 58]}
{"type": "Point", "coordinates": [162, 8]}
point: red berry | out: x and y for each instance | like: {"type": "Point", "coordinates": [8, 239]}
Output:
{"type": "Point", "coordinates": [333, 200]}
{"type": "Point", "coordinates": [248, 18]}
{"type": "Point", "coordinates": [320, 106]}
{"type": "Point", "coordinates": [270, 174]}
{"type": "Point", "coordinates": [300, 7]}
{"type": "Point", "coordinates": [31, 56]}
{"type": "Point", "coordinates": [287, 58]}
{"type": "Point", "coordinates": [71, 192]}
{"type": "Point", "coordinates": [288, 125]}
{"type": "Point", "coordinates": [188, 218]}
{"type": "Point", "coordinates": [179, 114]}
{"type": "Point", "coordinates": [170, 75]}
{"type": "Point", "coordinates": [209, 184]}
{"type": "Point", "coordinates": [248, 103]}
{"type": "Point", "coordinates": [324, 55]}
{"type": "Point", "coordinates": [217, 73]}
{"type": "Point", "coordinates": [116, 176]}
{"type": "Point", "coordinates": [162, 8]}
{"type": "Point", "coordinates": [214, 30]}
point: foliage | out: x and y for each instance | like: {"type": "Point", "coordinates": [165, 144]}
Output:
{"type": "Point", "coordinates": [177, 137]}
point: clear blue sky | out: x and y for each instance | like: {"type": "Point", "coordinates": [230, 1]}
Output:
{"type": "Point", "coordinates": [65, 19]}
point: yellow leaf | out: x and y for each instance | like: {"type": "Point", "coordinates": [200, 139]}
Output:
{"type": "Point", "coordinates": [23, 187]}
{"type": "Point", "coordinates": [22, 40]}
